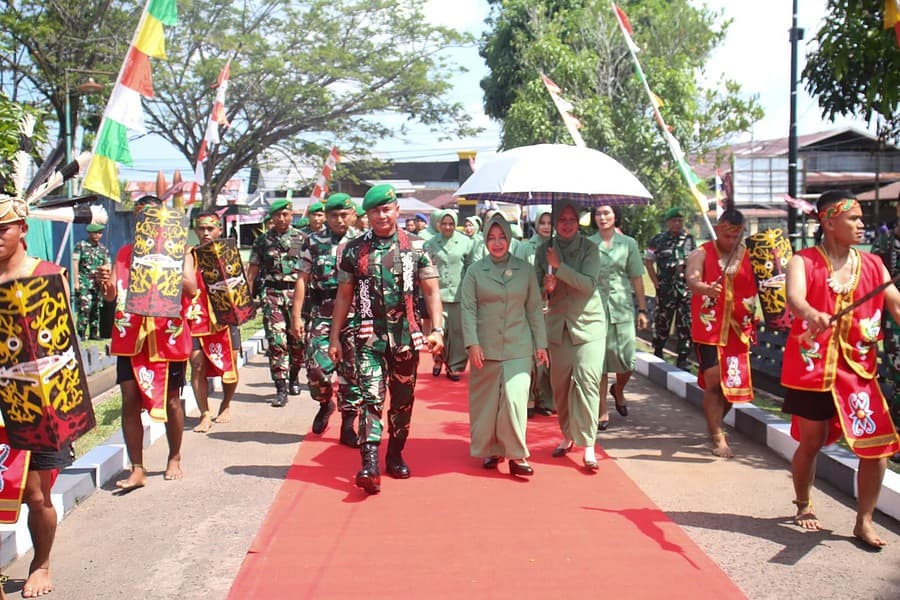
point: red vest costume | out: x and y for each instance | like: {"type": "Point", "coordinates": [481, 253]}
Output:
{"type": "Point", "coordinates": [843, 360]}
{"type": "Point", "coordinates": [215, 339]}
{"type": "Point", "coordinates": [151, 342]}
{"type": "Point", "coordinates": [727, 322]}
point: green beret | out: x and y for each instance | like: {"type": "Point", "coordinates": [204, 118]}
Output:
{"type": "Point", "coordinates": [339, 201]}
{"type": "Point", "coordinates": [279, 205]}
{"type": "Point", "coordinates": [303, 222]}
{"type": "Point", "coordinates": [95, 228]}
{"type": "Point", "coordinates": [316, 207]}
{"type": "Point", "coordinates": [359, 210]}
{"type": "Point", "coordinates": [378, 195]}
{"type": "Point", "coordinates": [674, 213]}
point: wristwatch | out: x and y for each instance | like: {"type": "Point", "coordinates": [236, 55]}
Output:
{"type": "Point", "coordinates": [438, 330]}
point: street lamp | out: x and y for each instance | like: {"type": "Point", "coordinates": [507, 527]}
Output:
{"type": "Point", "coordinates": [87, 88]}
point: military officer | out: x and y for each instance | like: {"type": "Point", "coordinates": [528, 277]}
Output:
{"type": "Point", "coordinates": [317, 285]}
{"type": "Point", "coordinates": [275, 257]}
{"type": "Point", "coordinates": [87, 258]}
{"type": "Point", "coordinates": [316, 216]}
{"type": "Point", "coordinates": [665, 259]}
{"type": "Point", "coordinates": [381, 272]}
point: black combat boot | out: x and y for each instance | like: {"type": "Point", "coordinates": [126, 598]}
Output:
{"type": "Point", "coordinates": [294, 385]}
{"type": "Point", "coordinates": [396, 467]}
{"type": "Point", "coordinates": [658, 351]}
{"type": "Point", "coordinates": [348, 434]}
{"type": "Point", "coordinates": [682, 363]}
{"type": "Point", "coordinates": [281, 393]}
{"type": "Point", "coordinates": [368, 478]}
{"type": "Point", "coordinates": [320, 422]}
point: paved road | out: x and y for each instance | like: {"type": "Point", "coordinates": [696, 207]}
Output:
{"type": "Point", "coordinates": [188, 538]}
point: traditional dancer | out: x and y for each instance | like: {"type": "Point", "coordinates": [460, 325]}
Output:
{"type": "Point", "coordinates": [214, 350]}
{"type": "Point", "coordinates": [723, 322]}
{"type": "Point", "coordinates": [837, 294]}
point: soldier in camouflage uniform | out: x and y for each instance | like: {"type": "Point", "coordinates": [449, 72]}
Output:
{"type": "Point", "coordinates": [87, 258]}
{"type": "Point", "coordinates": [665, 258]}
{"type": "Point", "coordinates": [275, 257]}
{"type": "Point", "coordinates": [317, 287]}
{"type": "Point", "coordinates": [380, 273]}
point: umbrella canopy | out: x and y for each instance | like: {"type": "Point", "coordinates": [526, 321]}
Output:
{"type": "Point", "coordinates": [548, 173]}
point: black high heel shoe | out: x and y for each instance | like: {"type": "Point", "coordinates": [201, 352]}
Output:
{"type": "Point", "coordinates": [562, 450]}
{"type": "Point", "coordinates": [491, 462]}
{"type": "Point", "coordinates": [622, 409]}
{"type": "Point", "coordinates": [521, 468]}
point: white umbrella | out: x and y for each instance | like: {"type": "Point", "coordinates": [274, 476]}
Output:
{"type": "Point", "coordinates": [545, 173]}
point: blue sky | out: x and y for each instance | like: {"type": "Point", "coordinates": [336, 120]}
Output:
{"type": "Point", "coordinates": [756, 53]}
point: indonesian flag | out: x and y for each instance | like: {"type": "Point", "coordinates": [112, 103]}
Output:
{"type": "Point", "coordinates": [124, 110]}
{"type": "Point", "coordinates": [565, 110]}
{"type": "Point", "coordinates": [625, 26]}
{"type": "Point", "coordinates": [892, 17]}
{"type": "Point", "coordinates": [321, 188]}
{"type": "Point", "coordinates": [217, 118]}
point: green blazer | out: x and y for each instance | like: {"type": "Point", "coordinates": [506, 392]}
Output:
{"type": "Point", "coordinates": [451, 257]}
{"type": "Point", "coordinates": [575, 304]}
{"type": "Point", "coordinates": [618, 265]}
{"type": "Point", "coordinates": [501, 309]}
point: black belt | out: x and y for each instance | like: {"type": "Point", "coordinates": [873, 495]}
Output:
{"type": "Point", "coordinates": [280, 285]}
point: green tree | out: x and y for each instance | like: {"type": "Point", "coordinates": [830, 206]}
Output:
{"type": "Point", "coordinates": [578, 45]}
{"type": "Point", "coordinates": [304, 75]}
{"type": "Point", "coordinates": [855, 68]}
{"type": "Point", "coordinates": [11, 140]}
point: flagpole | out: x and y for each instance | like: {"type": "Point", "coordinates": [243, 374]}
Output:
{"type": "Point", "coordinates": [671, 142]}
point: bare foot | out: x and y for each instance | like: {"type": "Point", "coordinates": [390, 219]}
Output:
{"type": "Point", "coordinates": [205, 424]}
{"type": "Point", "coordinates": [173, 470]}
{"type": "Point", "coordinates": [2, 581]}
{"type": "Point", "coordinates": [807, 519]}
{"type": "Point", "coordinates": [37, 584]}
{"type": "Point", "coordinates": [224, 416]}
{"type": "Point", "coordinates": [865, 533]}
{"type": "Point", "coordinates": [137, 479]}
{"type": "Point", "coordinates": [720, 446]}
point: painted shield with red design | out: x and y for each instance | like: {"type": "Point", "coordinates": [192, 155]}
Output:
{"type": "Point", "coordinates": [44, 397]}
{"type": "Point", "coordinates": [219, 262]}
{"type": "Point", "coordinates": [157, 263]}
{"type": "Point", "coordinates": [13, 469]}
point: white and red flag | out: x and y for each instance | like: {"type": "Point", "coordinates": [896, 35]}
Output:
{"type": "Point", "coordinates": [321, 189]}
{"type": "Point", "coordinates": [217, 118]}
{"type": "Point", "coordinates": [565, 110]}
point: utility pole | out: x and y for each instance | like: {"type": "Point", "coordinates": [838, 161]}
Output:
{"type": "Point", "coordinates": [796, 34]}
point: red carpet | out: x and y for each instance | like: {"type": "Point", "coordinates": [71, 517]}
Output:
{"type": "Point", "coordinates": [456, 530]}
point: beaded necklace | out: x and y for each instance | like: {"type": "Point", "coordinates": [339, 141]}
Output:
{"type": "Point", "coordinates": [842, 288]}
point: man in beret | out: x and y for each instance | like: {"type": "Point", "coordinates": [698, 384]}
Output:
{"type": "Point", "coordinates": [665, 259]}
{"type": "Point", "coordinates": [275, 258]}
{"type": "Point", "coordinates": [316, 216]}
{"type": "Point", "coordinates": [422, 229]}
{"type": "Point", "coordinates": [379, 274]}
{"type": "Point", "coordinates": [87, 258]}
{"type": "Point", "coordinates": [362, 219]}
{"type": "Point", "coordinates": [317, 288]}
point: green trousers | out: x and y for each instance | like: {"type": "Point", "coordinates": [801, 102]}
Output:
{"type": "Point", "coordinates": [498, 408]}
{"type": "Point", "coordinates": [575, 373]}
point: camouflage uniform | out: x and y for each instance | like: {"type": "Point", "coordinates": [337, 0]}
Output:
{"type": "Point", "coordinates": [387, 359]}
{"type": "Point", "coordinates": [318, 259]}
{"type": "Point", "coordinates": [673, 298]}
{"type": "Point", "coordinates": [88, 298]}
{"type": "Point", "coordinates": [278, 258]}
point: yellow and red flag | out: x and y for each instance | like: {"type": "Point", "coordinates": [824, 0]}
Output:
{"type": "Point", "coordinates": [892, 17]}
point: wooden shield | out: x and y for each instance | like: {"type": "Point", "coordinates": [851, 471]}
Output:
{"type": "Point", "coordinates": [219, 262]}
{"type": "Point", "coordinates": [44, 395]}
{"type": "Point", "coordinates": [155, 276]}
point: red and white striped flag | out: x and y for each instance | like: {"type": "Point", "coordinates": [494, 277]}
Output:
{"type": "Point", "coordinates": [216, 118]}
{"type": "Point", "coordinates": [625, 26]}
{"type": "Point", "coordinates": [565, 110]}
{"type": "Point", "coordinates": [321, 188]}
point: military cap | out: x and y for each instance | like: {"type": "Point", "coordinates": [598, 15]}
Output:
{"type": "Point", "coordinates": [339, 201]}
{"type": "Point", "coordinates": [378, 195]}
{"type": "Point", "coordinates": [316, 207]}
{"type": "Point", "coordinates": [359, 210]}
{"type": "Point", "coordinates": [303, 222]}
{"type": "Point", "coordinates": [279, 205]}
{"type": "Point", "coordinates": [95, 228]}
{"type": "Point", "coordinates": [674, 213]}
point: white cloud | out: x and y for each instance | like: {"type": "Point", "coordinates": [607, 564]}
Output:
{"type": "Point", "coordinates": [464, 15]}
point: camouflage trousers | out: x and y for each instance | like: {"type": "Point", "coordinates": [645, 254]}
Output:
{"type": "Point", "coordinates": [319, 367]}
{"type": "Point", "coordinates": [89, 304]}
{"type": "Point", "coordinates": [285, 351]}
{"type": "Point", "coordinates": [892, 362]}
{"type": "Point", "coordinates": [394, 371]}
{"type": "Point", "coordinates": [669, 308]}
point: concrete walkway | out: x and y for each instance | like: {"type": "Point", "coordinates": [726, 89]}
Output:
{"type": "Point", "coordinates": [188, 538]}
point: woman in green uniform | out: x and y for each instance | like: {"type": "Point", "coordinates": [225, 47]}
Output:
{"type": "Point", "coordinates": [576, 331]}
{"type": "Point", "coordinates": [503, 329]}
{"type": "Point", "coordinates": [621, 271]}
{"type": "Point", "coordinates": [449, 251]}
